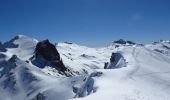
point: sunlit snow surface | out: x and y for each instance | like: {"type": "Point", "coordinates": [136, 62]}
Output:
{"type": "Point", "coordinates": [146, 75]}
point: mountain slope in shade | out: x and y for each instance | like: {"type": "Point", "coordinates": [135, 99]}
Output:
{"type": "Point", "coordinates": [136, 72]}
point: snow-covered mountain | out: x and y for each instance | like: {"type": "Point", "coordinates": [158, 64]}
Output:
{"type": "Point", "coordinates": [124, 70]}
{"type": "Point", "coordinates": [161, 47]}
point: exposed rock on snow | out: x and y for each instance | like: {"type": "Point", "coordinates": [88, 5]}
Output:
{"type": "Point", "coordinates": [46, 50]}
{"type": "Point", "coordinates": [161, 46]}
{"type": "Point", "coordinates": [87, 56]}
{"type": "Point", "coordinates": [2, 56]}
{"type": "Point", "coordinates": [116, 61]}
{"type": "Point", "coordinates": [39, 96]}
{"type": "Point", "coordinates": [22, 46]}
{"type": "Point", "coordinates": [46, 54]}
{"type": "Point", "coordinates": [121, 41]}
{"type": "Point", "coordinates": [2, 48]}
{"type": "Point", "coordinates": [87, 86]}
{"type": "Point", "coordinates": [145, 77]}
{"type": "Point", "coordinates": [68, 42]}
{"type": "Point", "coordinates": [11, 44]}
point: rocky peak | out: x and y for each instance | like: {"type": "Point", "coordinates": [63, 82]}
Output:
{"type": "Point", "coordinates": [20, 41]}
{"type": "Point", "coordinates": [47, 50]}
{"type": "Point", "coordinates": [46, 54]}
{"type": "Point", "coordinates": [121, 41]}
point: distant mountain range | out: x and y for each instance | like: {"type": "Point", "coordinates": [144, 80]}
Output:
{"type": "Point", "coordinates": [124, 70]}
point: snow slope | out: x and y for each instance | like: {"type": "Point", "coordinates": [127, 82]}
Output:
{"type": "Point", "coordinates": [21, 81]}
{"type": "Point", "coordinates": [160, 46]}
{"type": "Point", "coordinates": [142, 72]}
{"type": "Point", "coordinates": [146, 77]}
{"type": "Point", "coordinates": [25, 47]}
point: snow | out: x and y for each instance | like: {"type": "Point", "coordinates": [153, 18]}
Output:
{"type": "Point", "coordinates": [139, 73]}
{"type": "Point", "coordinates": [161, 47]}
{"type": "Point", "coordinates": [25, 49]}
{"type": "Point", "coordinates": [144, 78]}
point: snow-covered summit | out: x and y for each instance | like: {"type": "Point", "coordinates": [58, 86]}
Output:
{"type": "Point", "coordinates": [20, 40]}
{"type": "Point", "coordinates": [20, 45]}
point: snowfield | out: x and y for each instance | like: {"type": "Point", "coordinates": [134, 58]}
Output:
{"type": "Point", "coordinates": [139, 72]}
{"type": "Point", "coordinates": [146, 77]}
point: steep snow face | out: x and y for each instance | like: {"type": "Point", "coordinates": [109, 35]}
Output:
{"type": "Point", "coordinates": [22, 46]}
{"type": "Point", "coordinates": [22, 81]}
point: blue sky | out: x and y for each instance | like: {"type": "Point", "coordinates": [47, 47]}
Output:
{"type": "Point", "coordinates": [88, 22]}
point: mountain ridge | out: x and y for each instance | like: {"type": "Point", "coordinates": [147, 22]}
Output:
{"type": "Point", "coordinates": [138, 72]}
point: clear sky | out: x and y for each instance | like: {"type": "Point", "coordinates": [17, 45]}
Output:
{"type": "Point", "coordinates": [87, 22]}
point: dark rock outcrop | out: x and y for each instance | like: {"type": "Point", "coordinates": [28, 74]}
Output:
{"type": "Point", "coordinates": [87, 56]}
{"type": "Point", "coordinates": [130, 42]}
{"type": "Point", "coordinates": [121, 41]}
{"type": "Point", "coordinates": [47, 50]}
{"type": "Point", "coordinates": [106, 65]}
{"type": "Point", "coordinates": [112, 59]}
{"type": "Point", "coordinates": [13, 59]}
{"type": "Point", "coordinates": [166, 47]}
{"type": "Point", "coordinates": [2, 56]}
{"type": "Point", "coordinates": [46, 54]}
{"type": "Point", "coordinates": [10, 44]}
{"type": "Point", "coordinates": [116, 61]}
{"type": "Point", "coordinates": [68, 42]}
{"type": "Point", "coordinates": [2, 48]}
{"type": "Point", "coordinates": [39, 96]}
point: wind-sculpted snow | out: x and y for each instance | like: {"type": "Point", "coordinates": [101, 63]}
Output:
{"type": "Point", "coordinates": [86, 87]}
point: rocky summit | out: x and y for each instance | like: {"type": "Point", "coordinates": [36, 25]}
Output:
{"type": "Point", "coordinates": [47, 51]}
{"type": "Point", "coordinates": [121, 41]}
{"type": "Point", "coordinates": [46, 54]}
